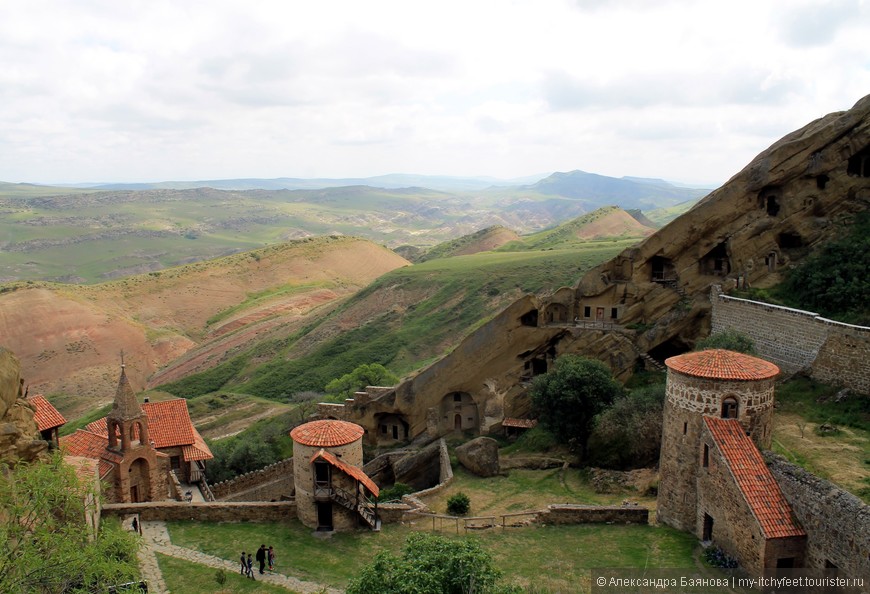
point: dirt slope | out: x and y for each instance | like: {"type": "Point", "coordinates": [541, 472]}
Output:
{"type": "Point", "coordinates": [68, 338]}
{"type": "Point", "coordinates": [616, 223]}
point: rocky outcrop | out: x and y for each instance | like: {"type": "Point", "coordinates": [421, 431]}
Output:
{"type": "Point", "coordinates": [19, 438]}
{"type": "Point", "coordinates": [480, 456]}
{"type": "Point", "coordinates": [652, 300]}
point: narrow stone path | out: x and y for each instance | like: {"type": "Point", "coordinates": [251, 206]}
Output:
{"type": "Point", "coordinates": [156, 540]}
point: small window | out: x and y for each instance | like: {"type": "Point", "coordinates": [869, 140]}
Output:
{"type": "Point", "coordinates": [729, 408]}
{"type": "Point", "coordinates": [706, 455]}
{"type": "Point", "coordinates": [587, 312]}
{"type": "Point", "coordinates": [685, 427]}
{"type": "Point", "coordinates": [457, 397]}
{"type": "Point", "coordinates": [383, 428]}
{"type": "Point", "coordinates": [612, 313]}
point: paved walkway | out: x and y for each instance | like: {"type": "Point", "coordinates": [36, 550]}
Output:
{"type": "Point", "coordinates": [155, 538]}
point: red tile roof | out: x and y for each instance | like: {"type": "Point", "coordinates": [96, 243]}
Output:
{"type": "Point", "coordinates": [754, 479]}
{"type": "Point", "coordinates": [326, 433]}
{"type": "Point", "coordinates": [347, 469]}
{"type": "Point", "coordinates": [520, 423]}
{"type": "Point", "coordinates": [722, 364]}
{"type": "Point", "coordinates": [46, 415]}
{"type": "Point", "coordinates": [169, 426]}
{"type": "Point", "coordinates": [90, 445]}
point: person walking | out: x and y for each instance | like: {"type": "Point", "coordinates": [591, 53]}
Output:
{"type": "Point", "coordinates": [261, 558]}
{"type": "Point", "coordinates": [270, 555]}
{"type": "Point", "coordinates": [250, 566]}
{"type": "Point", "coordinates": [243, 570]}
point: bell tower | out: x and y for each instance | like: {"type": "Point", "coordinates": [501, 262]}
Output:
{"type": "Point", "coordinates": [127, 427]}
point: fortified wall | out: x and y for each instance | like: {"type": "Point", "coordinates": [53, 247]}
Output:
{"type": "Point", "coordinates": [271, 483]}
{"type": "Point", "coordinates": [837, 523]}
{"type": "Point", "coordinates": [796, 340]}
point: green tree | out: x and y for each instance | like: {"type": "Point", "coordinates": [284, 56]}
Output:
{"type": "Point", "coordinates": [367, 374]}
{"type": "Point", "coordinates": [833, 280]}
{"type": "Point", "coordinates": [48, 547]}
{"type": "Point", "coordinates": [430, 564]}
{"type": "Point", "coordinates": [567, 398]}
{"type": "Point", "coordinates": [731, 340]}
{"type": "Point", "coordinates": [629, 433]}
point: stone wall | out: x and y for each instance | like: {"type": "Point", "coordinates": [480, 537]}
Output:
{"type": "Point", "coordinates": [837, 523]}
{"type": "Point", "coordinates": [445, 472]}
{"type": "Point", "coordinates": [271, 483]}
{"type": "Point", "coordinates": [796, 340]}
{"type": "Point", "coordinates": [566, 513]}
{"type": "Point", "coordinates": [283, 511]}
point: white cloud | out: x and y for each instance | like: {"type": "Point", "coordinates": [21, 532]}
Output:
{"type": "Point", "coordinates": [125, 91]}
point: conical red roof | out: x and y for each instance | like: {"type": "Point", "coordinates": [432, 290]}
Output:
{"type": "Point", "coordinates": [326, 433]}
{"type": "Point", "coordinates": [722, 364]}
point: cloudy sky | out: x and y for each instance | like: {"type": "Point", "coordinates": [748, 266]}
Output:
{"type": "Point", "coordinates": [150, 90]}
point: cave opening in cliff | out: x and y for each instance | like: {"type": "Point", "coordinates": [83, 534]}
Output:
{"type": "Point", "coordinates": [670, 348]}
{"type": "Point", "coordinates": [530, 318]}
{"type": "Point", "coordinates": [392, 426]}
{"type": "Point", "coordinates": [662, 269]}
{"type": "Point", "coordinates": [789, 240]}
{"type": "Point", "coordinates": [768, 199]}
{"type": "Point", "coordinates": [556, 313]}
{"type": "Point", "coordinates": [822, 181]}
{"type": "Point", "coordinates": [859, 163]}
{"type": "Point", "coordinates": [716, 261]}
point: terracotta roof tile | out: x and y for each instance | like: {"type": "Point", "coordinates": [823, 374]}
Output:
{"type": "Point", "coordinates": [347, 469]}
{"type": "Point", "coordinates": [198, 451]}
{"type": "Point", "coordinates": [326, 433]}
{"type": "Point", "coordinates": [87, 444]}
{"type": "Point", "coordinates": [722, 364]}
{"type": "Point", "coordinates": [46, 415]}
{"type": "Point", "coordinates": [754, 479]}
{"type": "Point", "coordinates": [169, 424]}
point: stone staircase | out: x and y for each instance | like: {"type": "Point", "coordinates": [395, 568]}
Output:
{"type": "Point", "coordinates": [651, 362]}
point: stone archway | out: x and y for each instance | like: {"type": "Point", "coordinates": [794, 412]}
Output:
{"type": "Point", "coordinates": [458, 412]}
{"type": "Point", "coordinates": [140, 481]}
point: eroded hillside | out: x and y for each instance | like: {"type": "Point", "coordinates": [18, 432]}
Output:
{"type": "Point", "coordinates": [68, 338]}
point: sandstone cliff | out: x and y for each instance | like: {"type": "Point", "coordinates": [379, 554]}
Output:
{"type": "Point", "coordinates": [19, 438]}
{"type": "Point", "coordinates": [652, 300]}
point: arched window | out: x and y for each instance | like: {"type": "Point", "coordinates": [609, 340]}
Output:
{"type": "Point", "coordinates": [729, 408]}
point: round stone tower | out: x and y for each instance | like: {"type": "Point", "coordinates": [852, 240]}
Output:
{"type": "Point", "coordinates": [714, 383]}
{"type": "Point", "coordinates": [326, 455]}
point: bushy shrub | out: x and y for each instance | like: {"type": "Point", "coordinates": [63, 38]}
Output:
{"type": "Point", "coordinates": [395, 492]}
{"type": "Point", "coordinates": [731, 340]}
{"type": "Point", "coordinates": [458, 504]}
{"type": "Point", "coordinates": [628, 434]}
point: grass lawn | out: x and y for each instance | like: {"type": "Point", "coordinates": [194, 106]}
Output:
{"type": "Point", "coordinates": [524, 489]}
{"type": "Point", "coordinates": [561, 556]}
{"type": "Point", "coordinates": [192, 578]}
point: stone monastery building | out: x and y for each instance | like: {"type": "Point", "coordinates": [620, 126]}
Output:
{"type": "Point", "coordinates": [142, 450]}
{"type": "Point", "coordinates": [332, 491]}
{"type": "Point", "coordinates": [714, 482]}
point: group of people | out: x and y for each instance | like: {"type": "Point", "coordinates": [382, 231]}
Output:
{"type": "Point", "coordinates": [263, 556]}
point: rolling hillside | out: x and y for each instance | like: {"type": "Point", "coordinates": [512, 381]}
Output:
{"type": "Point", "coordinates": [69, 338]}
{"type": "Point", "coordinates": [84, 236]}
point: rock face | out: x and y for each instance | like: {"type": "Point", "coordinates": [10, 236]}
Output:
{"type": "Point", "coordinates": [19, 438]}
{"type": "Point", "coordinates": [480, 456]}
{"type": "Point", "coordinates": [651, 301]}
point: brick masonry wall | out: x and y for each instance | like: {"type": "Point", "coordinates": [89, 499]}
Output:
{"type": "Point", "coordinates": [796, 340]}
{"type": "Point", "coordinates": [837, 523]}
{"type": "Point", "coordinates": [269, 483]}
{"type": "Point", "coordinates": [283, 511]}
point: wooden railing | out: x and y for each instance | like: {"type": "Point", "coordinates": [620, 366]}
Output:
{"type": "Point", "coordinates": [476, 522]}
